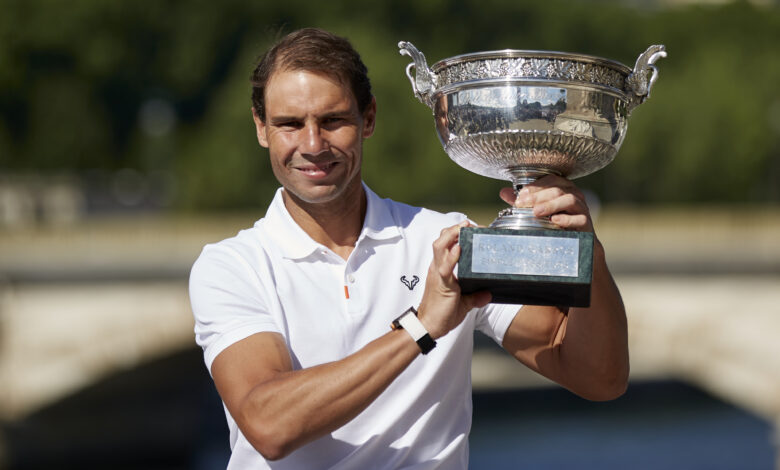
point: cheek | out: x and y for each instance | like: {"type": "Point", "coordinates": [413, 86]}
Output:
{"type": "Point", "coordinates": [348, 142]}
{"type": "Point", "coordinates": [281, 148]}
{"type": "Point", "coordinates": [282, 140]}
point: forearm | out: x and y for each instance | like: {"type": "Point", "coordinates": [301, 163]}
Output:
{"type": "Point", "coordinates": [594, 345]}
{"type": "Point", "coordinates": [583, 349]}
{"type": "Point", "coordinates": [293, 408]}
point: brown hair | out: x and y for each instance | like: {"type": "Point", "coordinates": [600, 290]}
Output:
{"type": "Point", "coordinates": [314, 50]}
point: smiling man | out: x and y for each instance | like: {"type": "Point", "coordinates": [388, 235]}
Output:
{"type": "Point", "coordinates": [334, 328]}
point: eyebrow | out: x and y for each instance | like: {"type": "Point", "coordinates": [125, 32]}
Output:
{"type": "Point", "coordinates": [282, 119]}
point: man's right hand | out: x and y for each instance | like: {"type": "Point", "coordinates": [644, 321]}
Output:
{"type": "Point", "coordinates": [443, 306]}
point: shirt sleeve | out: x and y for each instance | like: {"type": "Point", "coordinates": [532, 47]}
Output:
{"type": "Point", "coordinates": [227, 299]}
{"type": "Point", "coordinates": [494, 320]}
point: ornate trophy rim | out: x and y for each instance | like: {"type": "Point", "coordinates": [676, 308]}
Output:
{"type": "Point", "coordinates": [530, 54]}
{"type": "Point", "coordinates": [528, 82]}
{"type": "Point", "coordinates": [525, 68]}
{"type": "Point", "coordinates": [548, 66]}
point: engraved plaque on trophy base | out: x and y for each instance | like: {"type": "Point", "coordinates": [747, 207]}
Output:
{"type": "Point", "coordinates": [533, 267]}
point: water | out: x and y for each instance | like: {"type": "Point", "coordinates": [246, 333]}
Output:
{"type": "Point", "coordinates": [662, 425]}
{"type": "Point", "coordinates": [166, 415]}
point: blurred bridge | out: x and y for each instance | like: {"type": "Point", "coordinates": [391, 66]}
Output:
{"type": "Point", "coordinates": [78, 303]}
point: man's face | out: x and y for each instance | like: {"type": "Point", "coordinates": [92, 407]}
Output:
{"type": "Point", "coordinates": [314, 133]}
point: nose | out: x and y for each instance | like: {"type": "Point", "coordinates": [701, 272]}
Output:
{"type": "Point", "coordinates": [313, 142]}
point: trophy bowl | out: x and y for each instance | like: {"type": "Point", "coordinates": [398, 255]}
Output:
{"type": "Point", "coordinates": [519, 115]}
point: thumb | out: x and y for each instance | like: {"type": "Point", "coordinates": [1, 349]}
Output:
{"type": "Point", "coordinates": [508, 195]}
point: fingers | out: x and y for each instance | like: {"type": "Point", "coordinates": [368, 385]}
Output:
{"type": "Point", "coordinates": [442, 307]}
{"type": "Point", "coordinates": [555, 202]}
{"type": "Point", "coordinates": [446, 250]}
{"type": "Point", "coordinates": [543, 189]}
{"type": "Point", "coordinates": [555, 197]}
{"type": "Point", "coordinates": [550, 187]}
{"type": "Point", "coordinates": [572, 222]}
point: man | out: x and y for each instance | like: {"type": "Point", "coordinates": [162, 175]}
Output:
{"type": "Point", "coordinates": [294, 314]}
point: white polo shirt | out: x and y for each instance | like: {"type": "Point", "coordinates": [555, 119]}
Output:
{"type": "Point", "coordinates": [274, 278]}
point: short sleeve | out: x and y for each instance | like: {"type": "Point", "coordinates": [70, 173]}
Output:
{"type": "Point", "coordinates": [494, 320]}
{"type": "Point", "coordinates": [227, 299]}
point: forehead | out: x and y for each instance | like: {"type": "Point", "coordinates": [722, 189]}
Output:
{"type": "Point", "coordinates": [294, 88]}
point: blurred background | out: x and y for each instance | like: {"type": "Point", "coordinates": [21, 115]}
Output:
{"type": "Point", "coordinates": [126, 144]}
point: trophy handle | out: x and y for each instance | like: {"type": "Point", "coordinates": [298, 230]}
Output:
{"type": "Point", "coordinates": [644, 75]}
{"type": "Point", "coordinates": [423, 79]}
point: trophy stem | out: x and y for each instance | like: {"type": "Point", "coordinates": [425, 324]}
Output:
{"type": "Point", "coordinates": [523, 176]}
{"type": "Point", "coordinates": [523, 218]}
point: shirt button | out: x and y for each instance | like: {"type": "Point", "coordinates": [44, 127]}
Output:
{"type": "Point", "coordinates": [350, 278]}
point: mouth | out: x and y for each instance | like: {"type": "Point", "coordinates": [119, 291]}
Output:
{"type": "Point", "coordinates": [317, 170]}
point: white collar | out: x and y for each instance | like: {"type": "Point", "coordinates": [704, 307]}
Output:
{"type": "Point", "coordinates": [295, 243]}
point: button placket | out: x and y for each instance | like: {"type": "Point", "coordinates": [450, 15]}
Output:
{"type": "Point", "coordinates": [355, 304]}
{"type": "Point", "coordinates": [337, 267]}
{"type": "Point", "coordinates": [354, 293]}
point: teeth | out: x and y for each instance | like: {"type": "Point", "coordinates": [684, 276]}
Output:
{"type": "Point", "coordinates": [320, 167]}
{"type": "Point", "coordinates": [315, 169]}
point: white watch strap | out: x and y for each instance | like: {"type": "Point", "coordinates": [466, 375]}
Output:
{"type": "Point", "coordinates": [413, 325]}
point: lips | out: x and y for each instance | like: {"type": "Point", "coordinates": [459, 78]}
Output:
{"type": "Point", "coordinates": [316, 170]}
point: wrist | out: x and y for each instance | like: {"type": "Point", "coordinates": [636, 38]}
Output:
{"type": "Point", "coordinates": [429, 325]}
{"type": "Point", "coordinates": [409, 322]}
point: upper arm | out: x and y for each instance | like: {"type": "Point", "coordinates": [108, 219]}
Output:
{"type": "Point", "coordinates": [229, 301]}
{"type": "Point", "coordinates": [239, 368]}
{"type": "Point", "coordinates": [533, 335]}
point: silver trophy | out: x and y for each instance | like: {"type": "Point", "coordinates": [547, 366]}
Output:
{"type": "Point", "coordinates": [519, 115]}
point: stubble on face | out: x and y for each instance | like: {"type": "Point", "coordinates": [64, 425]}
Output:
{"type": "Point", "coordinates": [314, 134]}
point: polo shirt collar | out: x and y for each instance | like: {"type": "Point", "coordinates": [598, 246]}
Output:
{"type": "Point", "coordinates": [380, 223]}
{"type": "Point", "coordinates": [294, 243]}
{"type": "Point", "coordinates": [287, 235]}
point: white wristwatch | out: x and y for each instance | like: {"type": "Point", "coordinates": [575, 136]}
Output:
{"type": "Point", "coordinates": [408, 321]}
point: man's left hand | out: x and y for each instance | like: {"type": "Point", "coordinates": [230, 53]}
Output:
{"type": "Point", "coordinates": [556, 197]}
{"type": "Point", "coordinates": [443, 306]}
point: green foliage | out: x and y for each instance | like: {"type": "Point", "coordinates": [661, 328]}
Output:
{"type": "Point", "coordinates": [77, 79]}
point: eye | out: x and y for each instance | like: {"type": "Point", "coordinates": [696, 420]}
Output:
{"type": "Point", "coordinates": [333, 122]}
{"type": "Point", "coordinates": [290, 124]}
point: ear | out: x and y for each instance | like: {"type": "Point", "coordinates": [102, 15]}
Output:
{"type": "Point", "coordinates": [260, 127]}
{"type": "Point", "coordinates": [369, 119]}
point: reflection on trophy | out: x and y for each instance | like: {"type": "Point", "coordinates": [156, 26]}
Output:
{"type": "Point", "coordinates": [519, 115]}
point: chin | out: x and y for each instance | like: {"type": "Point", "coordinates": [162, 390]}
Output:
{"type": "Point", "coordinates": [312, 193]}
{"type": "Point", "coordinates": [319, 195]}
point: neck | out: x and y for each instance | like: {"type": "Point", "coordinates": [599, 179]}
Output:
{"type": "Point", "coordinates": [335, 224]}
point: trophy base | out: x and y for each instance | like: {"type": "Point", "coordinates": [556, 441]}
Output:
{"type": "Point", "coordinates": [532, 267]}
